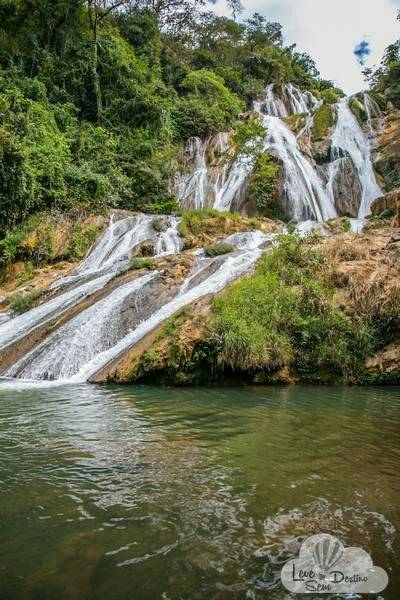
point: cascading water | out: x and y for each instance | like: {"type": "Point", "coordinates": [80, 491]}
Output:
{"type": "Point", "coordinates": [200, 187]}
{"type": "Point", "coordinates": [193, 188]}
{"type": "Point", "coordinates": [373, 114]}
{"type": "Point", "coordinates": [91, 339]}
{"type": "Point", "coordinates": [348, 139]}
{"type": "Point", "coordinates": [169, 241]}
{"type": "Point", "coordinates": [94, 337]}
{"type": "Point", "coordinates": [306, 197]}
{"type": "Point", "coordinates": [228, 269]}
{"type": "Point", "coordinates": [95, 329]}
{"type": "Point", "coordinates": [109, 256]}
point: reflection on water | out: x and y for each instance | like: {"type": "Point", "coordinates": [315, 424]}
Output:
{"type": "Point", "coordinates": [139, 492]}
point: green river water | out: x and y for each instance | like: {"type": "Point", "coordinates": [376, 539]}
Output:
{"type": "Point", "coordinates": [130, 492]}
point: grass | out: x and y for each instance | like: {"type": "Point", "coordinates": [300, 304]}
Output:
{"type": "Point", "coordinates": [204, 221]}
{"type": "Point", "coordinates": [82, 239]}
{"type": "Point", "coordinates": [218, 249]}
{"type": "Point", "coordinates": [323, 121]}
{"type": "Point", "coordinates": [24, 303]}
{"type": "Point", "coordinates": [284, 316]}
{"type": "Point", "coordinates": [142, 263]}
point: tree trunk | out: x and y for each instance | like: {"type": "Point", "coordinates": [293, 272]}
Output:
{"type": "Point", "coordinates": [95, 75]}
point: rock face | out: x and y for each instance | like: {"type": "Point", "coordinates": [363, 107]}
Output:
{"type": "Point", "coordinates": [385, 364]}
{"type": "Point", "coordinates": [389, 202]}
{"type": "Point", "coordinates": [347, 188]}
{"type": "Point", "coordinates": [387, 150]}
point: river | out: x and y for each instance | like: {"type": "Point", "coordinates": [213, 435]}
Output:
{"type": "Point", "coordinates": [131, 492]}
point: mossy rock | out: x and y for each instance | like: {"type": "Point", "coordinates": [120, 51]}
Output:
{"type": "Point", "coordinates": [324, 120]}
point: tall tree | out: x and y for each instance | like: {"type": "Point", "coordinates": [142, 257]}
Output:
{"type": "Point", "coordinates": [98, 11]}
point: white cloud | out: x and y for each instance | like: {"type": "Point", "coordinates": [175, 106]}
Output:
{"type": "Point", "coordinates": [330, 30]}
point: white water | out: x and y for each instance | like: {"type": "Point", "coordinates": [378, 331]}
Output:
{"type": "Point", "coordinates": [232, 267]}
{"type": "Point", "coordinates": [195, 185]}
{"type": "Point", "coordinates": [373, 114]}
{"type": "Point", "coordinates": [230, 190]}
{"type": "Point", "coordinates": [24, 324]}
{"type": "Point", "coordinates": [93, 330]}
{"type": "Point", "coordinates": [110, 255]}
{"type": "Point", "coordinates": [306, 197]}
{"type": "Point", "coordinates": [90, 340]}
{"type": "Point", "coordinates": [169, 241]}
{"type": "Point", "coordinates": [348, 139]}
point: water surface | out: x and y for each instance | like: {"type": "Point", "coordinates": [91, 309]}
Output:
{"type": "Point", "coordinates": [130, 492]}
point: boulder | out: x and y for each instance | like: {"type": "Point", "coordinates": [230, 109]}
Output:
{"type": "Point", "coordinates": [388, 202]}
{"type": "Point", "coordinates": [347, 189]}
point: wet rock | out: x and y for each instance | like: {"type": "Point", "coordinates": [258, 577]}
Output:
{"type": "Point", "coordinates": [347, 189]}
{"type": "Point", "coordinates": [321, 151]}
{"type": "Point", "coordinates": [387, 202]}
{"type": "Point", "coordinates": [387, 361]}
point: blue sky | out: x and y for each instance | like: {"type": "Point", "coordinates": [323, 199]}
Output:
{"type": "Point", "coordinates": [330, 30]}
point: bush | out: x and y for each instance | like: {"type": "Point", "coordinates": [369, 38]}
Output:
{"type": "Point", "coordinates": [206, 107]}
{"type": "Point", "coordinates": [82, 239]}
{"type": "Point", "coordinates": [142, 263]}
{"type": "Point", "coordinates": [323, 121]}
{"type": "Point", "coordinates": [284, 316]}
{"type": "Point", "coordinates": [205, 220]}
{"type": "Point", "coordinates": [24, 303]}
{"type": "Point", "coordinates": [218, 249]}
{"type": "Point", "coordinates": [263, 186]}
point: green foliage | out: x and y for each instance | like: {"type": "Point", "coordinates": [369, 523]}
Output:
{"type": "Point", "coordinates": [218, 249]}
{"type": "Point", "coordinates": [263, 186]}
{"type": "Point", "coordinates": [389, 168]}
{"type": "Point", "coordinates": [10, 246]}
{"type": "Point", "coordinates": [206, 220]}
{"type": "Point", "coordinates": [142, 263]}
{"type": "Point", "coordinates": [89, 108]}
{"type": "Point", "coordinates": [283, 315]}
{"type": "Point", "coordinates": [24, 303]}
{"type": "Point", "coordinates": [207, 105]}
{"type": "Point", "coordinates": [323, 121]}
{"type": "Point", "coordinates": [358, 109]}
{"type": "Point", "coordinates": [82, 239]}
{"type": "Point", "coordinates": [27, 274]}
{"type": "Point", "coordinates": [249, 138]}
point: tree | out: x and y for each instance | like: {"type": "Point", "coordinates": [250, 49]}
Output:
{"type": "Point", "coordinates": [262, 33]}
{"type": "Point", "coordinates": [98, 11]}
{"type": "Point", "coordinates": [236, 8]}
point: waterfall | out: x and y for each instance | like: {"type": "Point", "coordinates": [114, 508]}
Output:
{"type": "Point", "coordinates": [306, 196]}
{"type": "Point", "coordinates": [373, 112]}
{"type": "Point", "coordinates": [230, 268]}
{"type": "Point", "coordinates": [169, 241]}
{"type": "Point", "coordinates": [348, 139]}
{"type": "Point", "coordinates": [230, 190]}
{"type": "Point", "coordinates": [109, 256]}
{"type": "Point", "coordinates": [92, 338]}
{"type": "Point", "coordinates": [95, 329]}
{"type": "Point", "coordinates": [193, 188]}
{"type": "Point", "coordinates": [15, 329]}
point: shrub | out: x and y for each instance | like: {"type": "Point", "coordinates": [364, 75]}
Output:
{"type": "Point", "coordinates": [263, 186]}
{"type": "Point", "coordinates": [202, 221]}
{"type": "Point", "coordinates": [82, 239]}
{"type": "Point", "coordinates": [158, 225]}
{"type": "Point", "coordinates": [218, 249]}
{"type": "Point", "coordinates": [284, 316]}
{"type": "Point", "coordinates": [24, 303]}
{"type": "Point", "coordinates": [206, 107]}
{"type": "Point", "coordinates": [358, 109]}
{"type": "Point", "coordinates": [142, 263]}
{"type": "Point", "coordinates": [323, 121]}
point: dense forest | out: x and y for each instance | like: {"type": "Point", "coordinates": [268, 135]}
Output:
{"type": "Point", "coordinates": [95, 97]}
